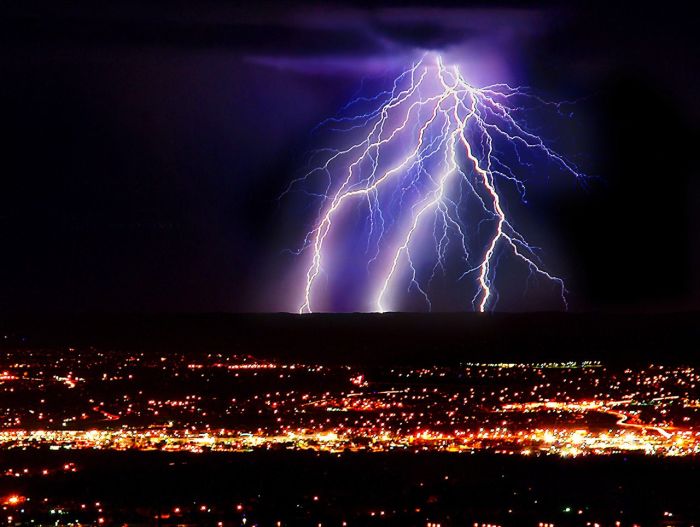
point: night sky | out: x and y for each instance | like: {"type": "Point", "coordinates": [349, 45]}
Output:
{"type": "Point", "coordinates": [145, 145]}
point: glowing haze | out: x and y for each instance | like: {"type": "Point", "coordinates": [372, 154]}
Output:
{"type": "Point", "coordinates": [418, 199]}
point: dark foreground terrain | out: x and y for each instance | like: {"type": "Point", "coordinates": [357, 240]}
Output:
{"type": "Point", "coordinates": [297, 488]}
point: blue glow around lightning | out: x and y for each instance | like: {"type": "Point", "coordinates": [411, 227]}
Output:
{"type": "Point", "coordinates": [432, 154]}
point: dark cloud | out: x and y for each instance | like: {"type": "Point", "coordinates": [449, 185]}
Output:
{"type": "Point", "coordinates": [148, 141]}
{"type": "Point", "coordinates": [290, 29]}
{"type": "Point", "coordinates": [427, 35]}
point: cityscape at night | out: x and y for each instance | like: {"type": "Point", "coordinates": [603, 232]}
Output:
{"type": "Point", "coordinates": [91, 399]}
{"type": "Point", "coordinates": [349, 263]}
{"type": "Point", "coordinates": [114, 434]}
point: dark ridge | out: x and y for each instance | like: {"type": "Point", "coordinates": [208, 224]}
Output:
{"type": "Point", "coordinates": [395, 338]}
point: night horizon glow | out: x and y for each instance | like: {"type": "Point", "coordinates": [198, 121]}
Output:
{"type": "Point", "coordinates": [428, 169]}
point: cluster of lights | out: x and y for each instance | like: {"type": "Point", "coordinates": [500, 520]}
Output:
{"type": "Point", "coordinates": [505, 408]}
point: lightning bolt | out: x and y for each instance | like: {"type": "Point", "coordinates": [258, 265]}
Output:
{"type": "Point", "coordinates": [433, 155]}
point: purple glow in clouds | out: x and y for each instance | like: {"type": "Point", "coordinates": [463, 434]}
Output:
{"type": "Point", "coordinates": [418, 199]}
